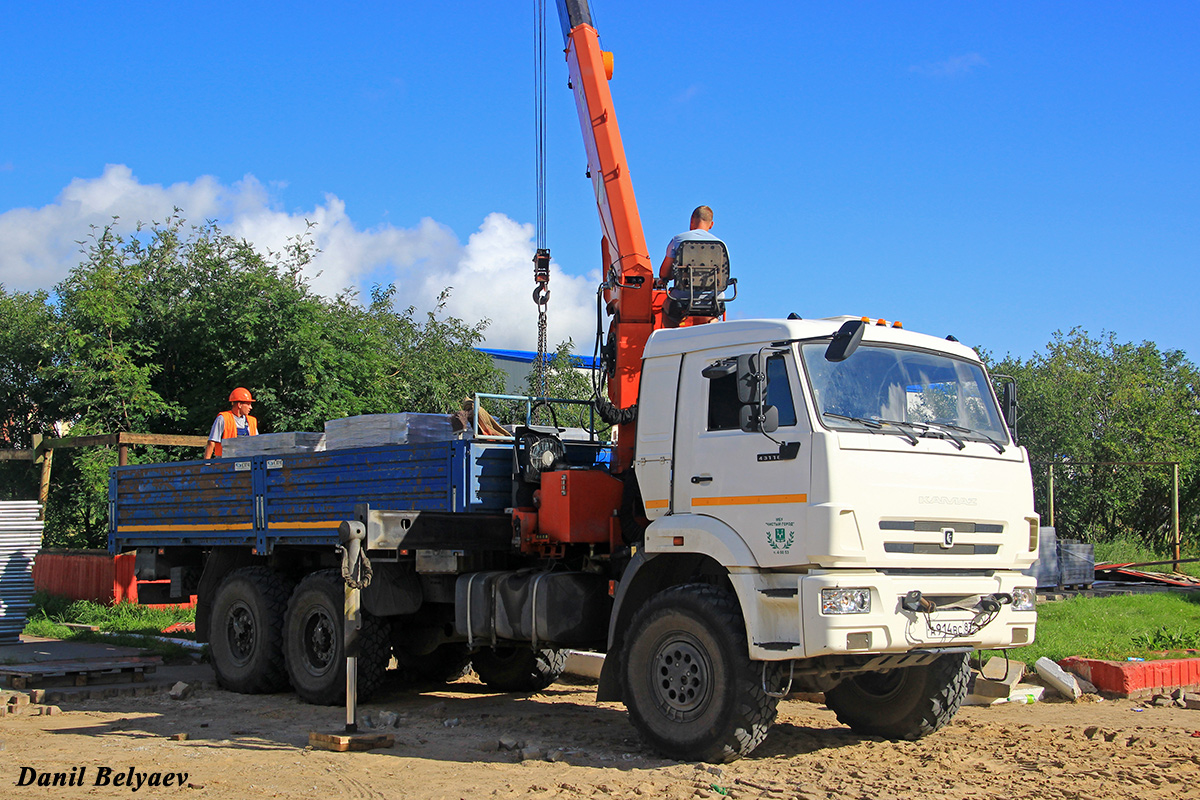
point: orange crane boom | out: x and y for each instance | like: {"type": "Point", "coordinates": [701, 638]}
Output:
{"type": "Point", "coordinates": [629, 272]}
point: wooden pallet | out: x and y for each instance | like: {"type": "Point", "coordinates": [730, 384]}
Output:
{"type": "Point", "coordinates": [82, 672]}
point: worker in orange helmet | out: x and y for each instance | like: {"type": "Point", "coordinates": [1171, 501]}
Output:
{"type": "Point", "coordinates": [234, 422]}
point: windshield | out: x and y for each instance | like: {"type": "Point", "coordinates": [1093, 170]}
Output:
{"type": "Point", "coordinates": [929, 393]}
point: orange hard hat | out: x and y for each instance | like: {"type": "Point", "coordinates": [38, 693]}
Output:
{"type": "Point", "coordinates": [240, 395]}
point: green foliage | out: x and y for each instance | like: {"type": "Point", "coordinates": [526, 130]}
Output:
{"type": "Point", "coordinates": [1099, 400]}
{"type": "Point", "coordinates": [107, 362]}
{"type": "Point", "coordinates": [27, 347]}
{"type": "Point", "coordinates": [1166, 639]}
{"type": "Point", "coordinates": [153, 329]}
{"type": "Point", "coordinates": [77, 508]}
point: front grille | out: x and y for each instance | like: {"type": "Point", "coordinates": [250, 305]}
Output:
{"type": "Point", "coordinates": [927, 549]}
{"type": "Point", "coordinates": [934, 526]}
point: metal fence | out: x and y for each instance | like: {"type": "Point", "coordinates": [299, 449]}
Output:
{"type": "Point", "coordinates": [20, 540]}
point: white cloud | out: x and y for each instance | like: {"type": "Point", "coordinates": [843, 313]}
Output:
{"type": "Point", "coordinates": [951, 67]}
{"type": "Point", "coordinates": [491, 276]}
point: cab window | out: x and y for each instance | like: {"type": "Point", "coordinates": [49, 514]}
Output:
{"type": "Point", "coordinates": [724, 410]}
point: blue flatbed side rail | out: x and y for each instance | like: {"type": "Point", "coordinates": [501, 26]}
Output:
{"type": "Point", "coordinates": [299, 498]}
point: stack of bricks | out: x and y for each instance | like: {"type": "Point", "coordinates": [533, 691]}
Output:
{"type": "Point", "coordinates": [27, 703]}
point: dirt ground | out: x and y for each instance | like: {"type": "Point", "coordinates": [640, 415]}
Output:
{"type": "Point", "coordinates": [448, 746]}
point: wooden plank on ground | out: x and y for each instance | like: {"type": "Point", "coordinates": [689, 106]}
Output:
{"type": "Point", "coordinates": [121, 669]}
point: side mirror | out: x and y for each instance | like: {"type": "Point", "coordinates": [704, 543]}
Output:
{"type": "Point", "coordinates": [1009, 405]}
{"type": "Point", "coordinates": [765, 421]}
{"type": "Point", "coordinates": [845, 341]}
{"type": "Point", "coordinates": [749, 387]}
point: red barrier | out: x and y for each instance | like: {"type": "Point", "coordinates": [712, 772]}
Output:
{"type": "Point", "coordinates": [1137, 679]}
{"type": "Point", "coordinates": [86, 575]}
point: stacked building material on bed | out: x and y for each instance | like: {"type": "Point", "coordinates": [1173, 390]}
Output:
{"type": "Point", "coordinates": [370, 430]}
{"type": "Point", "coordinates": [1076, 563]}
{"type": "Point", "coordinates": [270, 444]}
{"type": "Point", "coordinates": [20, 540]}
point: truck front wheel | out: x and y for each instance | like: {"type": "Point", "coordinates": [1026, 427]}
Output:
{"type": "Point", "coordinates": [518, 669]}
{"type": "Point", "coordinates": [314, 644]}
{"type": "Point", "coordinates": [690, 686]}
{"type": "Point", "coordinates": [245, 631]}
{"type": "Point", "coordinates": [905, 703]}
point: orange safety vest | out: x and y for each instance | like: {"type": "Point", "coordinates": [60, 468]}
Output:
{"type": "Point", "coordinates": [231, 429]}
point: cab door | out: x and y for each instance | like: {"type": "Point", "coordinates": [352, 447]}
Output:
{"type": "Point", "coordinates": [745, 479]}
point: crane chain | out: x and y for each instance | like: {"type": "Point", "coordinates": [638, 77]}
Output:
{"type": "Point", "coordinates": [541, 296]}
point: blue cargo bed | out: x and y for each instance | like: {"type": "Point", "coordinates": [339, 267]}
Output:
{"type": "Point", "coordinates": [301, 498]}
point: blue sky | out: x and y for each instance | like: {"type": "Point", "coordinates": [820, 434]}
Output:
{"type": "Point", "coordinates": [993, 171]}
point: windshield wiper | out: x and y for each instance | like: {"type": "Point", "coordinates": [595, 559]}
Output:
{"type": "Point", "coordinates": [877, 424]}
{"type": "Point", "coordinates": [901, 426]}
{"type": "Point", "coordinates": [969, 432]}
{"type": "Point", "coordinates": [870, 423]}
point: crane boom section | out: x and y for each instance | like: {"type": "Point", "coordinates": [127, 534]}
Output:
{"type": "Point", "coordinates": [628, 269]}
{"type": "Point", "coordinates": [608, 167]}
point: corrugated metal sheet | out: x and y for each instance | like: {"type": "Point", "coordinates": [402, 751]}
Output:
{"type": "Point", "coordinates": [20, 539]}
{"type": "Point", "coordinates": [86, 575]}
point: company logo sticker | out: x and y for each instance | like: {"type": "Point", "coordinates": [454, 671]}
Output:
{"type": "Point", "coordinates": [781, 535]}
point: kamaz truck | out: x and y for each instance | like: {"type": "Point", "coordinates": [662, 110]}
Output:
{"type": "Point", "coordinates": [834, 505]}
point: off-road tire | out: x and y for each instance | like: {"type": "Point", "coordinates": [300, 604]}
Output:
{"type": "Point", "coordinates": [518, 669]}
{"type": "Point", "coordinates": [691, 689]}
{"type": "Point", "coordinates": [903, 703]}
{"type": "Point", "coordinates": [314, 647]}
{"type": "Point", "coordinates": [245, 632]}
{"type": "Point", "coordinates": [446, 664]}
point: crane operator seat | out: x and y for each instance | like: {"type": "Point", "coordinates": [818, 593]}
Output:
{"type": "Point", "coordinates": [701, 276]}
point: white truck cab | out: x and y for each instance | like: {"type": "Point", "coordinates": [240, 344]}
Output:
{"type": "Point", "coordinates": [866, 500]}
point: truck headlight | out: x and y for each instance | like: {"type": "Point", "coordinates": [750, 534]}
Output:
{"type": "Point", "coordinates": [1024, 599]}
{"type": "Point", "coordinates": [845, 601]}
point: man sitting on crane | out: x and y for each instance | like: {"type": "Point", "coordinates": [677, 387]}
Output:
{"type": "Point", "coordinates": [699, 231]}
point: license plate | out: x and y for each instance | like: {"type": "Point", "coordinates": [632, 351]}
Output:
{"type": "Point", "coordinates": [955, 628]}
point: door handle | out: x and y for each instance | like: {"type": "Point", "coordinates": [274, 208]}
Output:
{"type": "Point", "coordinates": [701, 478]}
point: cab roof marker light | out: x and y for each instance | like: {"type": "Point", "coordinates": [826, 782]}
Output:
{"type": "Point", "coordinates": [897, 324]}
{"type": "Point", "coordinates": [882, 322]}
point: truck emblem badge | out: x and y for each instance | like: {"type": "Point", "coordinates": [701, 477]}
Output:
{"type": "Point", "coordinates": [780, 536]}
{"type": "Point", "coordinates": [947, 538]}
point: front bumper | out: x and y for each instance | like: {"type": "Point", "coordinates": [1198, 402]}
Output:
{"type": "Point", "coordinates": [784, 619]}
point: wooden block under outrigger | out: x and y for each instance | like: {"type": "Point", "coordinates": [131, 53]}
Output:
{"type": "Point", "coordinates": [342, 742]}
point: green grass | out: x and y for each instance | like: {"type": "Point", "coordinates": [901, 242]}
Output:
{"type": "Point", "coordinates": [131, 624]}
{"type": "Point", "coordinates": [1129, 549]}
{"type": "Point", "coordinates": [1115, 627]}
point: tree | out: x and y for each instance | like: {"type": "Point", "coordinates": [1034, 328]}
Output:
{"type": "Point", "coordinates": [27, 395]}
{"type": "Point", "coordinates": [1096, 399]}
{"type": "Point", "coordinates": [106, 359]}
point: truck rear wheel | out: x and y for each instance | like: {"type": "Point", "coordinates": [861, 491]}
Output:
{"type": "Point", "coordinates": [903, 703]}
{"type": "Point", "coordinates": [518, 669]}
{"type": "Point", "coordinates": [692, 691]}
{"type": "Point", "coordinates": [314, 648]}
{"type": "Point", "coordinates": [245, 635]}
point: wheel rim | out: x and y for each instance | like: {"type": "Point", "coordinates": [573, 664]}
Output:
{"type": "Point", "coordinates": [240, 633]}
{"type": "Point", "coordinates": [682, 675]}
{"type": "Point", "coordinates": [320, 642]}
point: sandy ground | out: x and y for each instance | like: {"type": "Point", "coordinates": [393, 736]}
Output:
{"type": "Point", "coordinates": [448, 746]}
